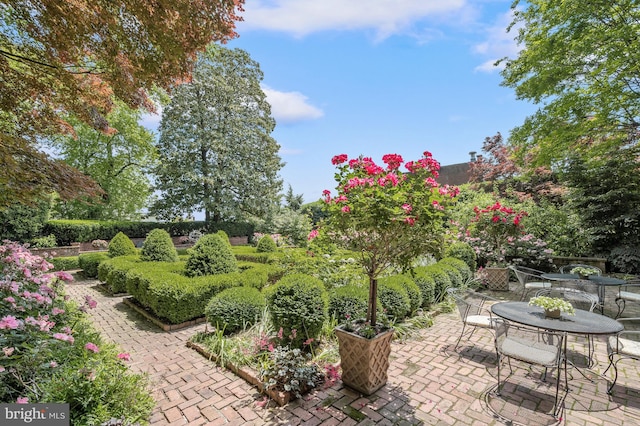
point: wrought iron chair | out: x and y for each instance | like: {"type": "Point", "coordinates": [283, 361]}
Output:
{"type": "Point", "coordinates": [474, 309]}
{"type": "Point", "coordinates": [530, 279]}
{"type": "Point", "coordinates": [530, 346]}
{"type": "Point", "coordinates": [624, 345]}
{"type": "Point", "coordinates": [626, 294]}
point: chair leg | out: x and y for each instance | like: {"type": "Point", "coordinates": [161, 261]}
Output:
{"type": "Point", "coordinates": [621, 305]}
{"type": "Point", "coordinates": [615, 375]}
{"type": "Point", "coordinates": [464, 325]}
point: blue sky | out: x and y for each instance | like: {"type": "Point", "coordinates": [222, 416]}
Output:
{"type": "Point", "coordinates": [380, 76]}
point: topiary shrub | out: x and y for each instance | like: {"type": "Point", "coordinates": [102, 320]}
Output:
{"type": "Point", "coordinates": [394, 298]}
{"type": "Point", "coordinates": [452, 272]}
{"type": "Point", "coordinates": [158, 247]}
{"type": "Point", "coordinates": [460, 266]}
{"type": "Point", "coordinates": [442, 280]}
{"type": "Point", "coordinates": [235, 309]}
{"type": "Point", "coordinates": [427, 285]}
{"type": "Point", "coordinates": [224, 236]}
{"type": "Point", "coordinates": [210, 256]}
{"type": "Point", "coordinates": [89, 263]}
{"type": "Point", "coordinates": [266, 245]}
{"type": "Point", "coordinates": [113, 272]}
{"type": "Point", "coordinates": [297, 304]}
{"type": "Point", "coordinates": [464, 252]}
{"type": "Point", "coordinates": [351, 300]}
{"type": "Point", "coordinates": [412, 289]}
{"type": "Point", "coordinates": [121, 245]}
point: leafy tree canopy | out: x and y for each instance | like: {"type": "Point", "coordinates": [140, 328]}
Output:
{"type": "Point", "coordinates": [216, 152]}
{"type": "Point", "coordinates": [581, 61]}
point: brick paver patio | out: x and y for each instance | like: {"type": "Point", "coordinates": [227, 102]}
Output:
{"type": "Point", "coordinates": [428, 384]}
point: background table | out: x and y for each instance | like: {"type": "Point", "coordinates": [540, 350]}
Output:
{"type": "Point", "coordinates": [599, 281]}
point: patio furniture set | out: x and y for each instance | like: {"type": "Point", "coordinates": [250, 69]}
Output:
{"type": "Point", "coordinates": [524, 333]}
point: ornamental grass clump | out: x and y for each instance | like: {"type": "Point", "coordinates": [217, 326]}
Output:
{"type": "Point", "coordinates": [387, 215]}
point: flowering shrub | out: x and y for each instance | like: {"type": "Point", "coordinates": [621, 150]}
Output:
{"type": "Point", "coordinates": [388, 216]}
{"type": "Point", "coordinates": [49, 352]}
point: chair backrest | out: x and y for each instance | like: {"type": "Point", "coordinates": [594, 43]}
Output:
{"type": "Point", "coordinates": [468, 301]}
{"type": "Point", "coordinates": [519, 342]}
{"type": "Point", "coordinates": [579, 299]}
{"type": "Point", "coordinates": [525, 275]}
{"type": "Point", "coordinates": [566, 269]}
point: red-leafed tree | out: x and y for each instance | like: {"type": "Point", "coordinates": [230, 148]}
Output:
{"type": "Point", "coordinates": [76, 56]}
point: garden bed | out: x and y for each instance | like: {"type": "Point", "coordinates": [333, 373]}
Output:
{"type": "Point", "coordinates": [131, 302]}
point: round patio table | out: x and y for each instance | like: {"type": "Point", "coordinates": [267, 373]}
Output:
{"type": "Point", "coordinates": [600, 281]}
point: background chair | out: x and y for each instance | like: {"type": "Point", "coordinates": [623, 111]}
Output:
{"type": "Point", "coordinates": [530, 346]}
{"type": "Point", "coordinates": [474, 309]}
{"type": "Point", "coordinates": [530, 279]}
{"type": "Point", "coordinates": [627, 293]}
{"type": "Point", "coordinates": [624, 345]}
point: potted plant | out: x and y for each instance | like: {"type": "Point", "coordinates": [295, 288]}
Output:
{"type": "Point", "coordinates": [495, 226]}
{"type": "Point", "coordinates": [584, 272]}
{"type": "Point", "coordinates": [389, 217]}
{"type": "Point", "coordinates": [553, 306]}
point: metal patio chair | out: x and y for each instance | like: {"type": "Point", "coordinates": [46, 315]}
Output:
{"type": "Point", "coordinates": [624, 345]}
{"type": "Point", "coordinates": [627, 293]}
{"type": "Point", "coordinates": [475, 311]}
{"type": "Point", "coordinates": [530, 279]}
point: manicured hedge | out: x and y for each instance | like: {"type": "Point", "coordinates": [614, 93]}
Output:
{"type": "Point", "coordinates": [67, 263]}
{"type": "Point", "coordinates": [236, 308]}
{"type": "Point", "coordinates": [113, 272]}
{"type": "Point", "coordinates": [394, 298]}
{"type": "Point", "coordinates": [460, 265]}
{"type": "Point", "coordinates": [427, 284]}
{"type": "Point", "coordinates": [89, 263]}
{"type": "Point", "coordinates": [349, 300]}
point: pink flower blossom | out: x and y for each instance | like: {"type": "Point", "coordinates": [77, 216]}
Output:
{"type": "Point", "coordinates": [9, 323]}
{"type": "Point", "coordinates": [407, 208]}
{"type": "Point", "coordinates": [90, 302]}
{"type": "Point", "coordinates": [346, 209]}
{"type": "Point", "coordinates": [53, 364]}
{"type": "Point", "coordinates": [92, 347]}
{"type": "Point", "coordinates": [64, 337]}
{"type": "Point", "coordinates": [57, 311]}
{"type": "Point", "coordinates": [339, 159]}
{"type": "Point", "coordinates": [124, 356]}
{"type": "Point", "coordinates": [10, 299]}
{"type": "Point", "coordinates": [313, 234]}
{"type": "Point", "coordinates": [22, 400]}
{"type": "Point", "coordinates": [8, 351]}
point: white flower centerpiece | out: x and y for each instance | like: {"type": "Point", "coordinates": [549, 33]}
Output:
{"type": "Point", "coordinates": [553, 306]}
{"type": "Point", "coordinates": [584, 272]}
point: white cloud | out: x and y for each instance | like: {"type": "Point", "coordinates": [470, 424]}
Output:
{"type": "Point", "coordinates": [151, 121]}
{"type": "Point", "coordinates": [386, 17]}
{"type": "Point", "coordinates": [288, 107]}
{"type": "Point", "coordinates": [498, 44]}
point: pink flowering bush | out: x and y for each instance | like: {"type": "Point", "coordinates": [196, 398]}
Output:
{"type": "Point", "coordinates": [388, 215]}
{"type": "Point", "coordinates": [50, 353]}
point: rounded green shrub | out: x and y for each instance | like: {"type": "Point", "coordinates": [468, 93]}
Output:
{"type": "Point", "coordinates": [460, 265]}
{"type": "Point", "coordinates": [394, 299]}
{"type": "Point", "coordinates": [224, 236]}
{"type": "Point", "coordinates": [452, 272]}
{"type": "Point", "coordinates": [210, 256]}
{"type": "Point", "coordinates": [266, 245]}
{"type": "Point", "coordinates": [121, 245]}
{"type": "Point", "coordinates": [464, 252]}
{"type": "Point", "coordinates": [297, 304]}
{"type": "Point", "coordinates": [89, 263]}
{"type": "Point", "coordinates": [235, 309]}
{"type": "Point", "coordinates": [158, 247]}
{"type": "Point", "coordinates": [351, 300]}
{"type": "Point", "coordinates": [412, 289]}
{"type": "Point", "coordinates": [442, 280]}
{"type": "Point", "coordinates": [427, 285]}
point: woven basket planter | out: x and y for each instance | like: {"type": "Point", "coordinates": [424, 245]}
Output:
{"type": "Point", "coordinates": [497, 278]}
{"type": "Point", "coordinates": [364, 362]}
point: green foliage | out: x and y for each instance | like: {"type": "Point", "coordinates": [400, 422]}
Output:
{"type": "Point", "coordinates": [349, 300]}
{"type": "Point", "coordinates": [464, 272]}
{"type": "Point", "coordinates": [427, 285]}
{"type": "Point", "coordinates": [22, 223]}
{"type": "Point", "coordinates": [293, 225]}
{"type": "Point", "coordinates": [210, 256]}
{"type": "Point", "coordinates": [453, 272]}
{"type": "Point", "coordinates": [298, 304]}
{"type": "Point", "coordinates": [394, 298]}
{"type": "Point", "coordinates": [67, 263]}
{"type": "Point", "coordinates": [242, 179]}
{"type": "Point", "coordinates": [113, 272]}
{"type": "Point", "coordinates": [441, 279]}
{"type": "Point", "coordinates": [410, 286]}
{"type": "Point", "coordinates": [89, 263]}
{"type": "Point", "coordinates": [290, 370]}
{"type": "Point", "coordinates": [121, 245]}
{"type": "Point", "coordinates": [626, 259]}
{"type": "Point", "coordinates": [42, 242]}
{"type": "Point", "coordinates": [266, 245]}
{"type": "Point", "coordinates": [235, 309]}
{"type": "Point", "coordinates": [223, 235]}
{"type": "Point", "coordinates": [158, 247]}
{"type": "Point", "coordinates": [464, 252]}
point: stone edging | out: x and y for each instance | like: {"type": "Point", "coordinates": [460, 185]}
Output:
{"type": "Point", "coordinates": [129, 301]}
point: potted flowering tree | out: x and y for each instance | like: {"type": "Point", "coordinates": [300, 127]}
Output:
{"type": "Point", "coordinates": [496, 226]}
{"type": "Point", "coordinates": [389, 217]}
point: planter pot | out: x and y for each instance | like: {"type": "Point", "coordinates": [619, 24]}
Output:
{"type": "Point", "coordinates": [364, 362]}
{"type": "Point", "coordinates": [552, 313]}
{"type": "Point", "coordinates": [497, 278]}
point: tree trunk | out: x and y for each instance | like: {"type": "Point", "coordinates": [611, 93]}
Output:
{"type": "Point", "coordinates": [373, 301]}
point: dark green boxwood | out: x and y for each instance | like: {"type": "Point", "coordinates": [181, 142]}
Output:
{"type": "Point", "coordinates": [460, 265]}
{"type": "Point", "coordinates": [452, 272]}
{"type": "Point", "coordinates": [223, 235]}
{"type": "Point", "coordinates": [89, 262]}
{"type": "Point", "coordinates": [441, 278]}
{"type": "Point", "coordinates": [298, 302]}
{"type": "Point", "coordinates": [464, 252]}
{"type": "Point", "coordinates": [351, 300]}
{"type": "Point", "coordinates": [415, 296]}
{"type": "Point", "coordinates": [158, 247]}
{"type": "Point", "coordinates": [113, 272]}
{"type": "Point", "coordinates": [121, 245]}
{"type": "Point", "coordinates": [235, 309]}
{"type": "Point", "coordinates": [394, 299]}
{"type": "Point", "coordinates": [67, 263]}
{"type": "Point", "coordinates": [266, 245]}
{"type": "Point", "coordinates": [427, 285]}
{"type": "Point", "coordinates": [210, 256]}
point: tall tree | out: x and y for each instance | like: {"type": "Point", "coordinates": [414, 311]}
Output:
{"type": "Point", "coordinates": [216, 152]}
{"type": "Point", "coordinates": [581, 60]}
{"type": "Point", "coordinates": [75, 57]}
{"type": "Point", "coordinates": [119, 162]}
{"type": "Point", "coordinates": [293, 201]}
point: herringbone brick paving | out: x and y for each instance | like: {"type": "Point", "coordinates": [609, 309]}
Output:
{"type": "Point", "coordinates": [428, 384]}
